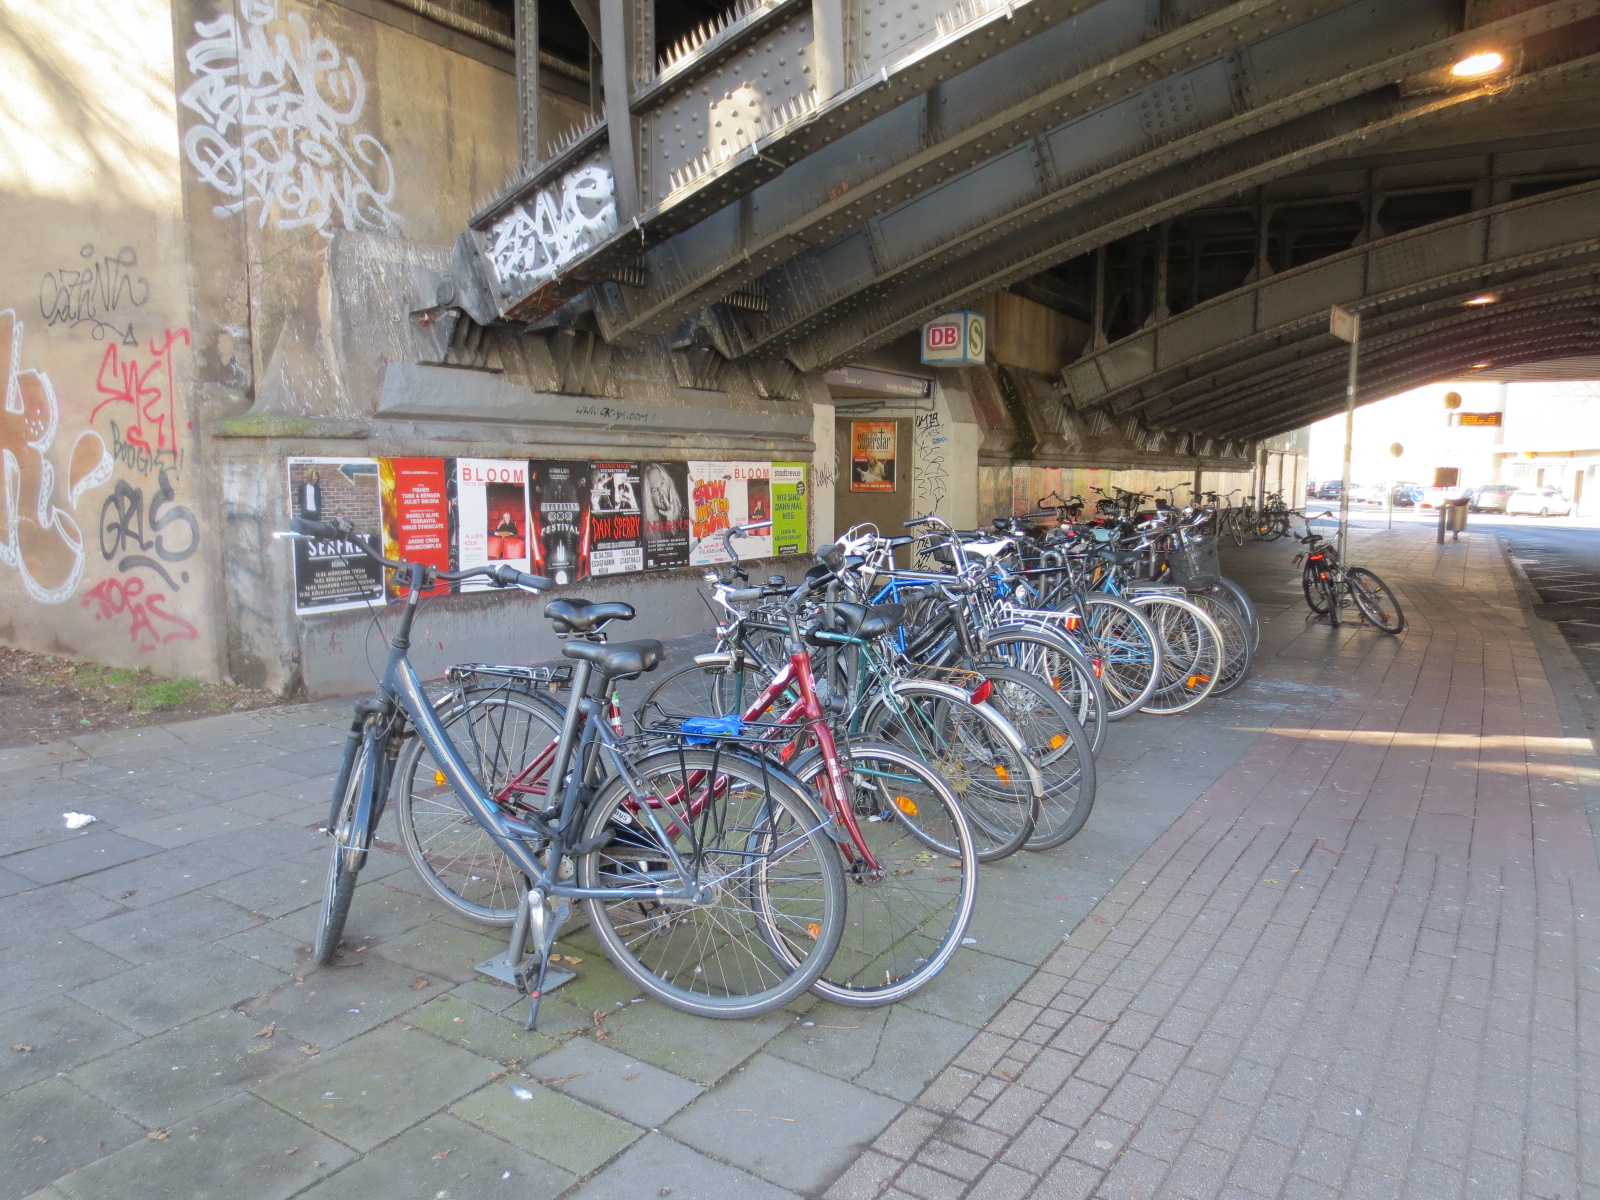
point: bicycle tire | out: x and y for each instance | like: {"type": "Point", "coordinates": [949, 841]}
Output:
{"type": "Point", "coordinates": [1235, 595]}
{"type": "Point", "coordinates": [1311, 585]}
{"type": "Point", "coordinates": [1331, 598]}
{"type": "Point", "coordinates": [701, 689]}
{"type": "Point", "coordinates": [452, 854]}
{"type": "Point", "coordinates": [714, 959]}
{"type": "Point", "coordinates": [905, 922]}
{"type": "Point", "coordinates": [976, 751]}
{"type": "Point", "coordinates": [1389, 617]}
{"type": "Point", "coordinates": [1238, 653]}
{"type": "Point", "coordinates": [1058, 745]}
{"type": "Point", "coordinates": [1124, 641]}
{"type": "Point", "coordinates": [344, 864]}
{"type": "Point", "coordinates": [1191, 653]}
{"type": "Point", "coordinates": [1061, 663]}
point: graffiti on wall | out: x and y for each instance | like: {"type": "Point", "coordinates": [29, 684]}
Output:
{"type": "Point", "coordinates": [278, 110]}
{"type": "Point", "coordinates": [146, 385]}
{"type": "Point", "coordinates": [96, 291]}
{"type": "Point", "coordinates": [538, 237]}
{"type": "Point", "coordinates": [929, 443]}
{"type": "Point", "coordinates": [39, 539]}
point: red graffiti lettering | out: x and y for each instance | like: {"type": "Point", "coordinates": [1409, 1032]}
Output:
{"type": "Point", "coordinates": [147, 615]}
{"type": "Point", "coordinates": [148, 388]}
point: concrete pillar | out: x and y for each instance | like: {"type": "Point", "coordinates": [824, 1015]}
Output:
{"type": "Point", "coordinates": [824, 468]}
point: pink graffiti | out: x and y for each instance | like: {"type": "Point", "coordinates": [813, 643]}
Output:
{"type": "Point", "coordinates": [148, 388]}
{"type": "Point", "coordinates": [116, 597]}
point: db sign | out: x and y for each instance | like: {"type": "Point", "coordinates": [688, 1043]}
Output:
{"type": "Point", "coordinates": [958, 337]}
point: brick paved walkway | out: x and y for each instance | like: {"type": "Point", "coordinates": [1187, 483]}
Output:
{"type": "Point", "coordinates": [1340, 959]}
{"type": "Point", "coordinates": [1363, 964]}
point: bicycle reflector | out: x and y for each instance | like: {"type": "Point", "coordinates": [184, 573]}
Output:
{"type": "Point", "coordinates": [906, 805]}
{"type": "Point", "coordinates": [1001, 773]}
{"type": "Point", "coordinates": [1058, 741]}
{"type": "Point", "coordinates": [1195, 681]}
{"type": "Point", "coordinates": [438, 779]}
{"type": "Point", "coordinates": [983, 691]}
{"type": "Point", "coordinates": [1099, 667]}
{"type": "Point", "coordinates": [1073, 621]}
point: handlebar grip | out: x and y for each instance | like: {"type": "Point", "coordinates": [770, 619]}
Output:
{"type": "Point", "coordinates": [337, 530]}
{"type": "Point", "coordinates": [506, 575]}
{"type": "Point", "coordinates": [749, 593]}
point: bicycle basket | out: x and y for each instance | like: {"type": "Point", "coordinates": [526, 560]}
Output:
{"type": "Point", "coordinates": [1193, 562]}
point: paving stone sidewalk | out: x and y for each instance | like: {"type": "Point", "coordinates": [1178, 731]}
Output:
{"type": "Point", "coordinates": [1362, 964]}
{"type": "Point", "coordinates": [168, 1039]}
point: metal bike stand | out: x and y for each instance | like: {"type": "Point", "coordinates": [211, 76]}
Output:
{"type": "Point", "coordinates": [503, 967]}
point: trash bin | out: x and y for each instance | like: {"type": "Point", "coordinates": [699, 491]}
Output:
{"type": "Point", "coordinates": [1455, 516]}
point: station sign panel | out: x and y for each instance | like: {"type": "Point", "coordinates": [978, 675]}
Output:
{"type": "Point", "coordinates": [955, 339]}
{"type": "Point", "coordinates": [1483, 418]}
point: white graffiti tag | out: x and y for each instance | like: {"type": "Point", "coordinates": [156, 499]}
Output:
{"type": "Point", "coordinates": [538, 237]}
{"type": "Point", "coordinates": [277, 109]}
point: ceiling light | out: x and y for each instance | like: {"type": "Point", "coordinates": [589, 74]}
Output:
{"type": "Point", "coordinates": [1480, 366]}
{"type": "Point", "coordinates": [1485, 62]}
{"type": "Point", "coordinates": [1480, 300]}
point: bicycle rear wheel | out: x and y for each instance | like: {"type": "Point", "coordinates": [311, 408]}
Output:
{"type": "Point", "coordinates": [752, 846]}
{"type": "Point", "coordinates": [906, 918]}
{"type": "Point", "coordinates": [1238, 651]}
{"type": "Point", "coordinates": [1117, 633]}
{"type": "Point", "coordinates": [1375, 599]}
{"type": "Point", "coordinates": [1062, 664]}
{"type": "Point", "coordinates": [499, 733]}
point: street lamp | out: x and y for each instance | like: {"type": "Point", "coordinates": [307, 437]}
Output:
{"type": "Point", "coordinates": [1476, 66]}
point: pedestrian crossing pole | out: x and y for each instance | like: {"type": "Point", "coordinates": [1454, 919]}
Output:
{"type": "Point", "coordinates": [1346, 326]}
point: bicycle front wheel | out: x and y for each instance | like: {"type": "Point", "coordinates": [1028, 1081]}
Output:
{"type": "Point", "coordinates": [906, 916]}
{"type": "Point", "coordinates": [1191, 653]}
{"type": "Point", "coordinates": [1378, 604]}
{"type": "Point", "coordinates": [972, 748]}
{"type": "Point", "coordinates": [1125, 643]}
{"type": "Point", "coordinates": [1058, 746]}
{"type": "Point", "coordinates": [501, 734]}
{"type": "Point", "coordinates": [757, 860]}
{"type": "Point", "coordinates": [1238, 652]}
{"type": "Point", "coordinates": [349, 851]}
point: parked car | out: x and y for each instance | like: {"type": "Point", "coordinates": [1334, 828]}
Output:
{"type": "Point", "coordinates": [1491, 497]}
{"type": "Point", "coordinates": [1406, 495]}
{"type": "Point", "coordinates": [1370, 493]}
{"type": "Point", "coordinates": [1438, 497]}
{"type": "Point", "coordinates": [1539, 502]}
{"type": "Point", "coordinates": [1331, 490]}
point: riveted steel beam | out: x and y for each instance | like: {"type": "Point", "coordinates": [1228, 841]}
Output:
{"type": "Point", "coordinates": [1150, 371]}
{"type": "Point", "coordinates": [1162, 183]}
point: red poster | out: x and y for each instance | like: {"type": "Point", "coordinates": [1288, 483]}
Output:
{"type": "Point", "coordinates": [416, 514]}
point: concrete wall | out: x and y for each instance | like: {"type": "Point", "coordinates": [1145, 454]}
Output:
{"type": "Point", "coordinates": [106, 553]}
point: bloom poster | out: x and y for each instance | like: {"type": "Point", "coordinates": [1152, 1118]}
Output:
{"type": "Point", "coordinates": [492, 518]}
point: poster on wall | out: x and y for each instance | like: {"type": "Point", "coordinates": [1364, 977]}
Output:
{"type": "Point", "coordinates": [492, 517]}
{"type": "Point", "coordinates": [872, 456]}
{"type": "Point", "coordinates": [665, 488]}
{"type": "Point", "coordinates": [790, 509]}
{"type": "Point", "coordinates": [330, 575]}
{"type": "Point", "coordinates": [616, 539]}
{"type": "Point", "coordinates": [722, 495]}
{"type": "Point", "coordinates": [560, 516]}
{"type": "Point", "coordinates": [416, 515]}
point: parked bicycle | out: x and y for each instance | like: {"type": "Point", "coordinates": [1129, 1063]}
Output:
{"type": "Point", "coordinates": [1332, 586]}
{"type": "Point", "coordinates": [693, 861]}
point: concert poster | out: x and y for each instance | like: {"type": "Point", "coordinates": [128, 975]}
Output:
{"type": "Point", "coordinates": [720, 496]}
{"type": "Point", "coordinates": [334, 574]}
{"type": "Point", "coordinates": [872, 456]}
{"type": "Point", "coordinates": [616, 536]}
{"type": "Point", "coordinates": [561, 525]}
{"type": "Point", "coordinates": [416, 516]}
{"type": "Point", "coordinates": [666, 514]}
{"type": "Point", "coordinates": [492, 516]}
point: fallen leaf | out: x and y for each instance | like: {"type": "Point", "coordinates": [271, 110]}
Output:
{"type": "Point", "coordinates": [292, 1150]}
{"type": "Point", "coordinates": [308, 1049]}
{"type": "Point", "coordinates": [43, 1141]}
{"type": "Point", "coordinates": [444, 1154]}
{"type": "Point", "coordinates": [601, 1035]}
{"type": "Point", "coordinates": [21, 1047]}
{"type": "Point", "coordinates": [159, 1135]}
{"type": "Point", "coordinates": [565, 1078]}
{"type": "Point", "coordinates": [420, 984]}
{"type": "Point", "coordinates": [129, 892]}
{"type": "Point", "coordinates": [265, 1031]}
{"type": "Point", "coordinates": [567, 958]}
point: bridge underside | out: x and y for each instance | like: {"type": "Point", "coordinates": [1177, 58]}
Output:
{"type": "Point", "coordinates": [1188, 185]}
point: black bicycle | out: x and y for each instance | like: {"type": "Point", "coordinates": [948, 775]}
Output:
{"type": "Point", "coordinates": [1330, 586]}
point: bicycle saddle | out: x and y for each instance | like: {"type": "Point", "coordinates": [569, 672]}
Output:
{"type": "Point", "coordinates": [618, 660]}
{"type": "Point", "coordinates": [586, 616]}
{"type": "Point", "coordinates": [1120, 558]}
{"type": "Point", "coordinates": [858, 620]}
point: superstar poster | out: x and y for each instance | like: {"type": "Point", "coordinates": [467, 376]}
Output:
{"type": "Point", "coordinates": [666, 514]}
{"type": "Point", "coordinates": [616, 535]}
{"type": "Point", "coordinates": [492, 517]}
{"type": "Point", "coordinates": [416, 515]}
{"type": "Point", "coordinates": [790, 509]}
{"type": "Point", "coordinates": [332, 574]}
{"type": "Point", "coordinates": [561, 519]}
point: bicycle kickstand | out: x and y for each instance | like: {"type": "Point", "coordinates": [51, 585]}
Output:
{"type": "Point", "coordinates": [545, 919]}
